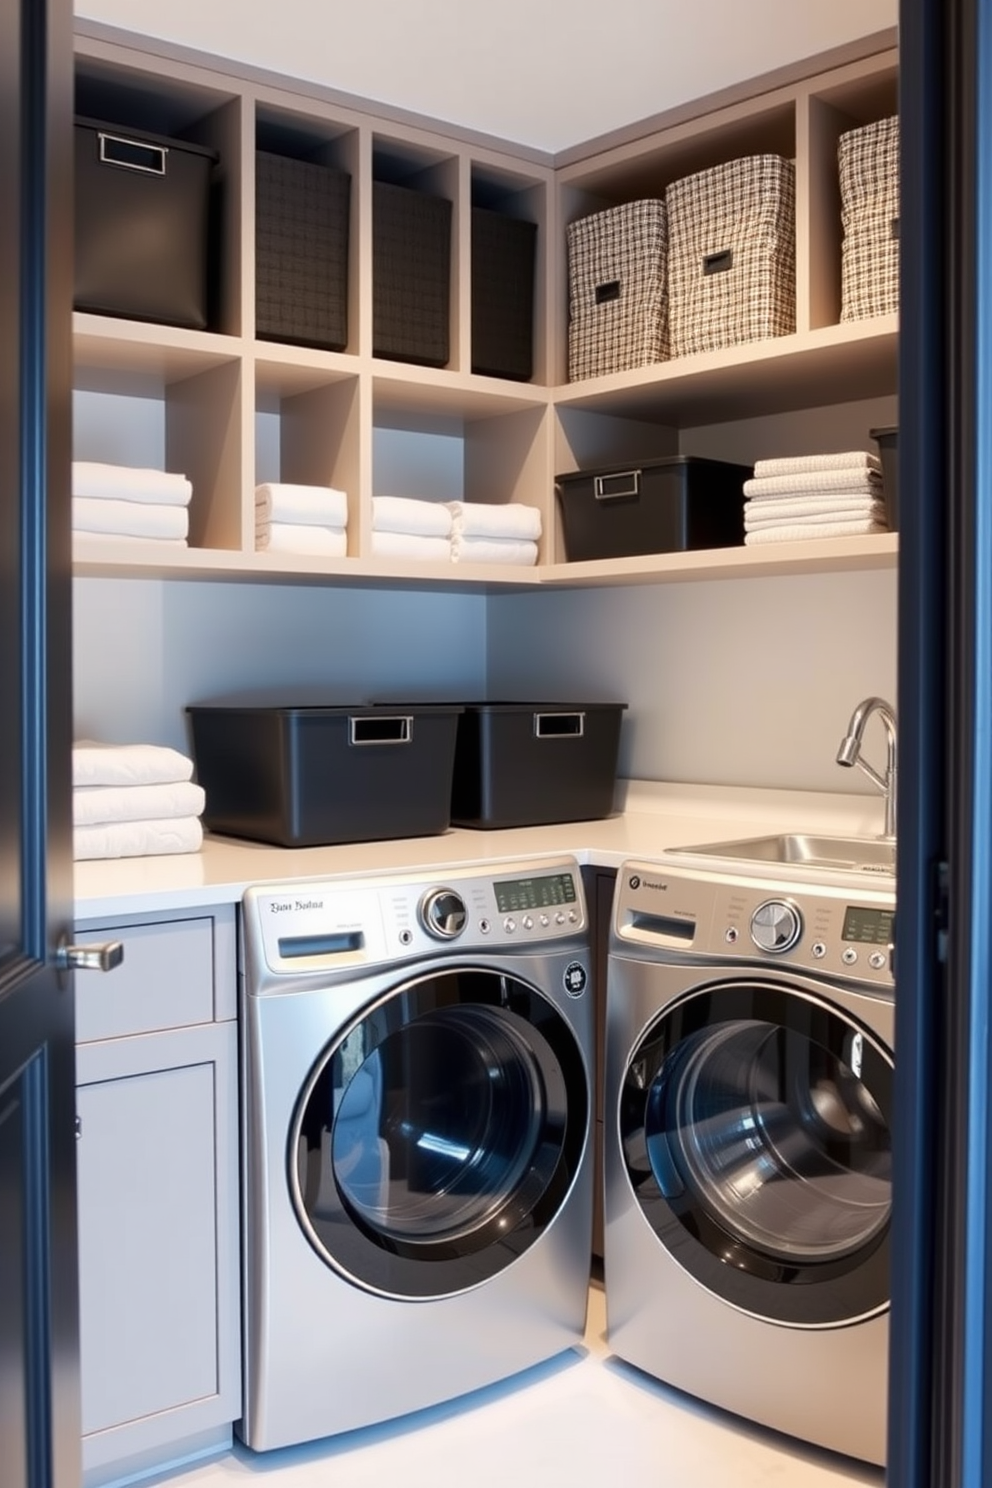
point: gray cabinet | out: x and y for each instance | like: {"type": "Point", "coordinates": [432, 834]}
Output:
{"type": "Point", "coordinates": [156, 1072]}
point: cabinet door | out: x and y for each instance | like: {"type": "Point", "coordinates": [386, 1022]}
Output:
{"type": "Point", "coordinates": [158, 1249]}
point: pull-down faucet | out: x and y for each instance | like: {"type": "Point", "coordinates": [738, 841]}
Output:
{"type": "Point", "coordinates": [849, 754]}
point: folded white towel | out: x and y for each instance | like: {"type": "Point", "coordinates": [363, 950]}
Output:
{"type": "Point", "coordinates": [129, 483]}
{"type": "Point", "coordinates": [803, 532]}
{"type": "Point", "coordinates": [321, 506]}
{"type": "Point", "coordinates": [807, 464]}
{"type": "Point", "coordinates": [405, 514]}
{"type": "Point", "coordinates": [127, 764]}
{"type": "Point", "coordinates": [805, 509]}
{"type": "Point", "coordinates": [493, 550]}
{"type": "Point", "coordinates": [138, 839]}
{"type": "Point", "coordinates": [99, 804]}
{"type": "Point", "coordinates": [112, 538]}
{"type": "Point", "coordinates": [410, 545]}
{"type": "Point", "coordinates": [128, 518]}
{"type": "Point", "coordinates": [817, 483]}
{"type": "Point", "coordinates": [488, 519]}
{"type": "Point", "coordinates": [299, 537]}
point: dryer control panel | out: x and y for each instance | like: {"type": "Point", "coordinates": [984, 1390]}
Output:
{"type": "Point", "coordinates": [843, 931]}
{"type": "Point", "coordinates": [319, 926]}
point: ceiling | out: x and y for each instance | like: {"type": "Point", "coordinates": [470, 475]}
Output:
{"type": "Point", "coordinates": [544, 73]}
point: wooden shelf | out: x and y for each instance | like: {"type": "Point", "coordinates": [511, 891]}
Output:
{"type": "Point", "coordinates": [826, 555]}
{"type": "Point", "coordinates": [833, 364]}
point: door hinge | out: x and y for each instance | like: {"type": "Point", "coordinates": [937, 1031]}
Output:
{"type": "Point", "coordinates": [942, 912]}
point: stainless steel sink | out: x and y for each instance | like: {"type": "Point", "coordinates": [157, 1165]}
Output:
{"type": "Point", "coordinates": [855, 854]}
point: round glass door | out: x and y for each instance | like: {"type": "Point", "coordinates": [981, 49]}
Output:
{"type": "Point", "coordinates": [755, 1123]}
{"type": "Point", "coordinates": [439, 1135]}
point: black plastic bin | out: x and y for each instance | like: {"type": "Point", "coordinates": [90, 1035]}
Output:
{"type": "Point", "coordinates": [142, 225]}
{"type": "Point", "coordinates": [310, 775]}
{"type": "Point", "coordinates": [888, 447]}
{"type": "Point", "coordinates": [653, 506]}
{"type": "Point", "coordinates": [526, 764]}
{"type": "Point", "coordinates": [411, 274]}
{"type": "Point", "coordinates": [503, 252]}
{"type": "Point", "coordinates": [301, 252]}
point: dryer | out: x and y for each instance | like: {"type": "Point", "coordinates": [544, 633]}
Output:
{"type": "Point", "coordinates": [749, 1067]}
{"type": "Point", "coordinates": [417, 1171]}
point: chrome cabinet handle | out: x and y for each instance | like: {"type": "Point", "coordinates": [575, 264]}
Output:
{"type": "Point", "coordinates": [102, 957]}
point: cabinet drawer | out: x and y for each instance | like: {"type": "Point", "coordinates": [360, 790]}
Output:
{"type": "Point", "coordinates": [166, 979]}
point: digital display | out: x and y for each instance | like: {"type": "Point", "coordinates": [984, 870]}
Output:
{"type": "Point", "coordinates": [534, 893]}
{"type": "Point", "coordinates": [868, 926]}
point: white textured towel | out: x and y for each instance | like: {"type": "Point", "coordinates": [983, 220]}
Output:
{"type": "Point", "coordinates": [129, 483]}
{"type": "Point", "coordinates": [858, 460]}
{"type": "Point", "coordinates": [805, 532]}
{"type": "Point", "coordinates": [806, 509]}
{"type": "Point", "coordinates": [493, 550]}
{"type": "Point", "coordinates": [817, 483]}
{"type": "Point", "coordinates": [128, 518]}
{"type": "Point", "coordinates": [411, 545]}
{"type": "Point", "coordinates": [406, 514]}
{"type": "Point", "coordinates": [488, 519]}
{"type": "Point", "coordinates": [299, 537]}
{"type": "Point", "coordinates": [127, 764]}
{"type": "Point", "coordinates": [138, 839]}
{"type": "Point", "coordinates": [321, 506]}
{"type": "Point", "coordinates": [98, 804]}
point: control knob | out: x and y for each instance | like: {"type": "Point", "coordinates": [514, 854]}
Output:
{"type": "Point", "coordinates": [776, 926]}
{"type": "Point", "coordinates": [443, 914]}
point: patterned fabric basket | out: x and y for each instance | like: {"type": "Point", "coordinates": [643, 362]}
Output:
{"type": "Point", "coordinates": [868, 164]}
{"type": "Point", "coordinates": [301, 252]}
{"type": "Point", "coordinates": [732, 254]}
{"type": "Point", "coordinates": [618, 314]}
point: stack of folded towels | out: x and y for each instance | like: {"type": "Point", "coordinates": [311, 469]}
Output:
{"type": "Point", "coordinates": [403, 527]}
{"type": "Point", "coordinates": [124, 501]}
{"type": "Point", "coordinates": [792, 500]}
{"type": "Point", "coordinates": [301, 519]}
{"type": "Point", "coordinates": [487, 533]}
{"type": "Point", "coordinates": [133, 800]}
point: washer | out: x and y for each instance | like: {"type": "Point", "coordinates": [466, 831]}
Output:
{"type": "Point", "coordinates": [749, 1066]}
{"type": "Point", "coordinates": [417, 1171]}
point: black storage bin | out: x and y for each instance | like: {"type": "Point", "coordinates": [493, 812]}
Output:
{"type": "Point", "coordinates": [657, 506]}
{"type": "Point", "coordinates": [525, 764]}
{"type": "Point", "coordinates": [311, 775]}
{"type": "Point", "coordinates": [503, 254]}
{"type": "Point", "coordinates": [301, 252]}
{"type": "Point", "coordinates": [411, 273]}
{"type": "Point", "coordinates": [888, 447]}
{"type": "Point", "coordinates": [142, 225]}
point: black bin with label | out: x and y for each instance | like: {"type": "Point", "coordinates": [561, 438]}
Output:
{"type": "Point", "coordinates": [526, 764]}
{"type": "Point", "coordinates": [664, 505]}
{"type": "Point", "coordinates": [142, 225]}
{"type": "Point", "coordinates": [310, 775]}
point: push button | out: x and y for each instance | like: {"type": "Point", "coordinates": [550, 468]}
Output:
{"type": "Point", "coordinates": [877, 960]}
{"type": "Point", "coordinates": [849, 956]}
{"type": "Point", "coordinates": [509, 925]}
{"type": "Point", "coordinates": [818, 949]}
{"type": "Point", "coordinates": [527, 922]}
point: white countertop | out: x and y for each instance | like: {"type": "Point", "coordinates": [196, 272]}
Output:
{"type": "Point", "coordinates": [651, 818]}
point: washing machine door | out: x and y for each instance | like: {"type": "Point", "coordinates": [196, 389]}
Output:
{"type": "Point", "coordinates": [438, 1137]}
{"type": "Point", "coordinates": [755, 1122]}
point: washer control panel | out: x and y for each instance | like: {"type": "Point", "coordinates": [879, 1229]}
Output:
{"type": "Point", "coordinates": [840, 930]}
{"type": "Point", "coordinates": [309, 926]}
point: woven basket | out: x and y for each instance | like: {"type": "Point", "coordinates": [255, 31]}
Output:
{"type": "Point", "coordinates": [411, 274]}
{"type": "Point", "coordinates": [616, 289]}
{"type": "Point", "coordinates": [503, 256]}
{"type": "Point", "coordinates": [868, 165]}
{"type": "Point", "coordinates": [301, 252]}
{"type": "Point", "coordinates": [732, 255]}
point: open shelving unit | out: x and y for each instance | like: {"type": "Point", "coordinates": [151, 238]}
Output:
{"type": "Point", "coordinates": [237, 410]}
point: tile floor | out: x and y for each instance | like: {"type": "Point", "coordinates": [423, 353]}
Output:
{"type": "Point", "coordinates": [583, 1420]}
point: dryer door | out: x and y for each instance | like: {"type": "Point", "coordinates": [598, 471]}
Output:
{"type": "Point", "coordinates": [755, 1127]}
{"type": "Point", "coordinates": [438, 1137]}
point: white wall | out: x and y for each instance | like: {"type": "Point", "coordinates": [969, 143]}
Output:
{"type": "Point", "coordinates": [143, 649]}
{"type": "Point", "coordinates": [549, 75]}
{"type": "Point", "coordinates": [736, 682]}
